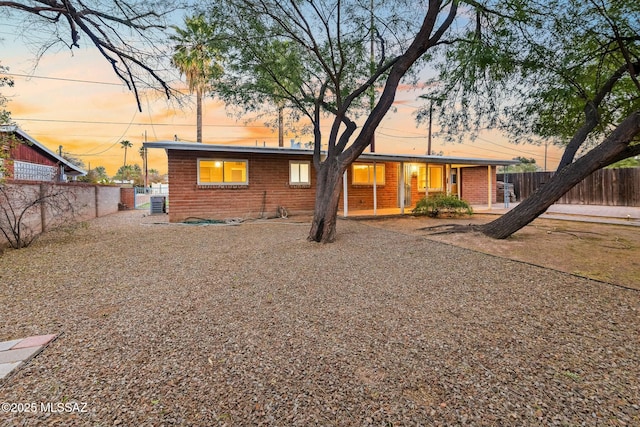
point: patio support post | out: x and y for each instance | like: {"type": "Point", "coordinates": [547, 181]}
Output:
{"type": "Point", "coordinates": [447, 182]}
{"type": "Point", "coordinates": [402, 178]}
{"type": "Point", "coordinates": [375, 193]}
{"type": "Point", "coordinates": [426, 179]}
{"type": "Point", "coordinates": [459, 181]}
{"type": "Point", "coordinates": [345, 195]}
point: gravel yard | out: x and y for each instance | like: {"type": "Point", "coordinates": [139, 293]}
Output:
{"type": "Point", "coordinates": [252, 325]}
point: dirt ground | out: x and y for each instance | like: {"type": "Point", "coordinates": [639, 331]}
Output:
{"type": "Point", "coordinates": [251, 325]}
{"type": "Point", "coordinates": [605, 252]}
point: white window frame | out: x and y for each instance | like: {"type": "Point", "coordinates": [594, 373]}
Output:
{"type": "Point", "coordinates": [298, 163]}
{"type": "Point", "coordinates": [427, 170]}
{"type": "Point", "coordinates": [223, 160]}
{"type": "Point", "coordinates": [372, 169]}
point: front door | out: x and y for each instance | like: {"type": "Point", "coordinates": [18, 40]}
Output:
{"type": "Point", "coordinates": [454, 181]}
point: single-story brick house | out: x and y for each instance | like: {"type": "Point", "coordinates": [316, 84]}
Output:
{"type": "Point", "coordinates": [220, 181]}
{"type": "Point", "coordinates": [29, 160]}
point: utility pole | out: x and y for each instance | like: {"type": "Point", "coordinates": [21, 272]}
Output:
{"type": "Point", "coordinates": [430, 124]}
{"type": "Point", "coordinates": [280, 126]}
{"type": "Point", "coordinates": [146, 163]}
{"type": "Point", "coordinates": [431, 100]}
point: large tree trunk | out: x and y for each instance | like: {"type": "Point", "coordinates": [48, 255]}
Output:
{"type": "Point", "coordinates": [328, 186]}
{"type": "Point", "coordinates": [339, 156]}
{"type": "Point", "coordinates": [614, 148]}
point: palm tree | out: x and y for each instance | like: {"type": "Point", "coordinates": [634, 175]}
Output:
{"type": "Point", "coordinates": [125, 144]}
{"type": "Point", "coordinates": [196, 56]}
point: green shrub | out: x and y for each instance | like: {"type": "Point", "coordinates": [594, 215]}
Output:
{"type": "Point", "coordinates": [440, 204]}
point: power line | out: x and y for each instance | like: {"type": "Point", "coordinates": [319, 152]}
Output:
{"type": "Point", "coordinates": [29, 76]}
{"type": "Point", "coordinates": [522, 151]}
{"type": "Point", "coordinates": [402, 137]}
{"type": "Point", "coordinates": [115, 141]}
{"type": "Point", "coordinates": [94, 122]}
{"type": "Point", "coordinates": [513, 151]}
{"type": "Point", "coordinates": [63, 79]}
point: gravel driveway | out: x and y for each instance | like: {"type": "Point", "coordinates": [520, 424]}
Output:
{"type": "Point", "coordinates": [252, 325]}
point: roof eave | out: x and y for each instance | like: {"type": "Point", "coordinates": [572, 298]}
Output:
{"type": "Point", "coordinates": [72, 169]}
{"type": "Point", "coordinates": [188, 146]}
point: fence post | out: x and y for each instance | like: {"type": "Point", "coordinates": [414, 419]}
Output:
{"type": "Point", "coordinates": [43, 214]}
{"type": "Point", "coordinates": [97, 200]}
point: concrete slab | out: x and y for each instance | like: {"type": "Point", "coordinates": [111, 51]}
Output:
{"type": "Point", "coordinates": [18, 355]}
{"type": "Point", "coordinates": [35, 341]}
{"type": "Point", "coordinates": [6, 345]}
{"type": "Point", "coordinates": [6, 368]}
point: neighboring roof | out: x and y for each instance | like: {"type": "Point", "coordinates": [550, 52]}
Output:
{"type": "Point", "coordinates": [69, 168]}
{"type": "Point", "coordinates": [188, 146]}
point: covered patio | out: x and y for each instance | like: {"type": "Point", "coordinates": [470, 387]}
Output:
{"type": "Point", "coordinates": [497, 208]}
{"type": "Point", "coordinates": [379, 184]}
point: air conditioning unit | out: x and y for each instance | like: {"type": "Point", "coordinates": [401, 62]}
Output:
{"type": "Point", "coordinates": [158, 204]}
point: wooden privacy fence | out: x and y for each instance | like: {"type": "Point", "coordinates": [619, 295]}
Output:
{"type": "Point", "coordinates": [608, 187]}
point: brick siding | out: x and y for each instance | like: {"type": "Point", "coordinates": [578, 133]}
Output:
{"type": "Point", "coordinates": [127, 198]}
{"type": "Point", "coordinates": [268, 188]}
{"type": "Point", "coordinates": [474, 185]}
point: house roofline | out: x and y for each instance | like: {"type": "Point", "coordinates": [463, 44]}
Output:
{"type": "Point", "coordinates": [188, 146]}
{"type": "Point", "coordinates": [75, 170]}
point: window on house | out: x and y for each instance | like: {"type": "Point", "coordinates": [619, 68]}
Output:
{"type": "Point", "coordinates": [363, 173]}
{"type": "Point", "coordinates": [222, 171]}
{"type": "Point", "coordinates": [299, 173]}
{"type": "Point", "coordinates": [434, 178]}
{"type": "Point", "coordinates": [33, 172]}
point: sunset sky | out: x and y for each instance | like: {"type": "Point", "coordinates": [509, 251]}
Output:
{"type": "Point", "coordinates": [74, 99]}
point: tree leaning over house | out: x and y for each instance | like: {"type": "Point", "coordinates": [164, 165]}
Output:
{"type": "Point", "coordinates": [560, 70]}
{"type": "Point", "coordinates": [197, 57]}
{"type": "Point", "coordinates": [329, 73]}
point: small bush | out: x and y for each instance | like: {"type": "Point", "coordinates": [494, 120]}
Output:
{"type": "Point", "coordinates": [441, 204]}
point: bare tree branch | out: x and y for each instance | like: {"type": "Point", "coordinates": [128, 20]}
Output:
{"type": "Point", "coordinates": [103, 29]}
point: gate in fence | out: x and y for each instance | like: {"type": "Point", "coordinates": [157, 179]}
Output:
{"type": "Point", "coordinates": [144, 195]}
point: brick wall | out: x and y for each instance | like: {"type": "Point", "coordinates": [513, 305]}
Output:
{"type": "Point", "coordinates": [88, 201]}
{"type": "Point", "coordinates": [268, 188]}
{"type": "Point", "coordinates": [107, 198]}
{"type": "Point", "coordinates": [474, 185]}
{"type": "Point", "coordinates": [127, 198]}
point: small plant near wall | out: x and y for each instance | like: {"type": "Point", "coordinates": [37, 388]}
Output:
{"type": "Point", "coordinates": [21, 211]}
{"type": "Point", "coordinates": [442, 204]}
